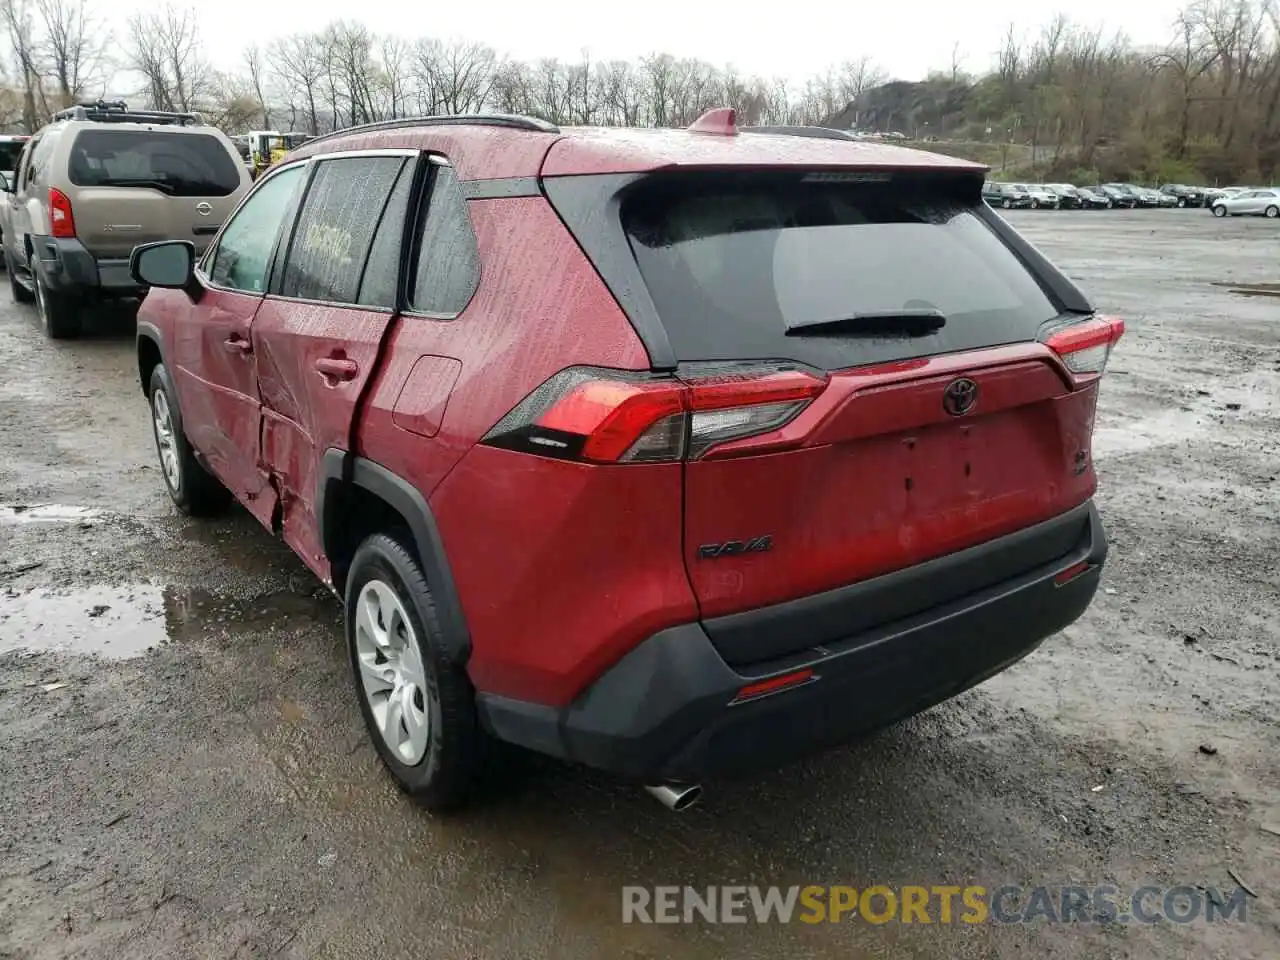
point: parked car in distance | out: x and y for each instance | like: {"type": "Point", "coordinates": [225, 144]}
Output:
{"type": "Point", "coordinates": [95, 182]}
{"type": "Point", "coordinates": [1068, 198]}
{"type": "Point", "coordinates": [1091, 199]}
{"type": "Point", "coordinates": [581, 321]}
{"type": "Point", "coordinates": [1118, 195]}
{"type": "Point", "coordinates": [1007, 196]}
{"type": "Point", "coordinates": [1041, 197]}
{"type": "Point", "coordinates": [1183, 195]}
{"type": "Point", "coordinates": [11, 146]}
{"type": "Point", "coordinates": [1249, 203]}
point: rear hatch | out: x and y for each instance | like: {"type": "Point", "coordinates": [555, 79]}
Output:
{"type": "Point", "coordinates": [137, 185]}
{"type": "Point", "coordinates": [872, 382]}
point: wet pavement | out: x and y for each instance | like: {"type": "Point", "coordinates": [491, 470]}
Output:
{"type": "Point", "coordinates": [184, 773]}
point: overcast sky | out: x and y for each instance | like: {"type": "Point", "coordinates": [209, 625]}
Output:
{"type": "Point", "coordinates": [792, 38]}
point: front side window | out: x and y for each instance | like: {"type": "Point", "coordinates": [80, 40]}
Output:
{"type": "Point", "coordinates": [243, 254]}
{"type": "Point", "coordinates": [178, 164]}
{"type": "Point", "coordinates": [336, 227]}
{"type": "Point", "coordinates": [448, 269]}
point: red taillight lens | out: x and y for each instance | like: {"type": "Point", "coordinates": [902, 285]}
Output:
{"type": "Point", "coordinates": [61, 223]}
{"type": "Point", "coordinates": [1085, 345]}
{"type": "Point", "coordinates": [617, 416]}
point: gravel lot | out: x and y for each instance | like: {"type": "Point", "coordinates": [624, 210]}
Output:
{"type": "Point", "coordinates": [183, 771]}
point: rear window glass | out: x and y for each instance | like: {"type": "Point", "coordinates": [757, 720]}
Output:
{"type": "Point", "coordinates": [179, 164]}
{"type": "Point", "coordinates": [10, 151]}
{"type": "Point", "coordinates": [738, 267]}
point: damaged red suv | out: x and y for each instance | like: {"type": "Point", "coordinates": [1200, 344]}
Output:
{"type": "Point", "coordinates": [675, 453]}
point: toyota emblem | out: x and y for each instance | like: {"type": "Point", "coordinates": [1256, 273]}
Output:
{"type": "Point", "coordinates": [204, 208]}
{"type": "Point", "coordinates": [960, 396]}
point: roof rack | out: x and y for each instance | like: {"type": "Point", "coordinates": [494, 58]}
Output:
{"type": "Point", "coordinates": [825, 133]}
{"type": "Point", "coordinates": [117, 111]}
{"type": "Point", "coordinates": [509, 120]}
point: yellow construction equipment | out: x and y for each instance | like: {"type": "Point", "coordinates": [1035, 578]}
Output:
{"type": "Point", "coordinates": [267, 147]}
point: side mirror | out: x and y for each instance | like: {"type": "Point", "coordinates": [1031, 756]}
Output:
{"type": "Point", "coordinates": [168, 263]}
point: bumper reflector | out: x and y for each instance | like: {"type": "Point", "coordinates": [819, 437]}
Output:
{"type": "Point", "coordinates": [1073, 571]}
{"type": "Point", "coordinates": [762, 688]}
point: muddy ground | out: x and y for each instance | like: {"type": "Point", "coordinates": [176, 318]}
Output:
{"type": "Point", "coordinates": [183, 770]}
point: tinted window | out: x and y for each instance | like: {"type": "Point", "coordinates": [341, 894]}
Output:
{"type": "Point", "coordinates": [38, 159]}
{"type": "Point", "coordinates": [243, 254]}
{"type": "Point", "coordinates": [378, 285]}
{"type": "Point", "coordinates": [448, 267]}
{"type": "Point", "coordinates": [10, 151]}
{"type": "Point", "coordinates": [738, 267]}
{"type": "Point", "coordinates": [181, 164]}
{"type": "Point", "coordinates": [336, 227]}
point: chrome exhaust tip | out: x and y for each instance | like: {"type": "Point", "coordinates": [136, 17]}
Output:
{"type": "Point", "coordinates": [676, 796]}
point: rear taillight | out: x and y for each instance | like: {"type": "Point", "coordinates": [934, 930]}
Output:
{"type": "Point", "coordinates": [619, 416]}
{"type": "Point", "coordinates": [61, 223]}
{"type": "Point", "coordinates": [1085, 345]}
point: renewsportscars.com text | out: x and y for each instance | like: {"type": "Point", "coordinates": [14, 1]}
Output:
{"type": "Point", "coordinates": [934, 904]}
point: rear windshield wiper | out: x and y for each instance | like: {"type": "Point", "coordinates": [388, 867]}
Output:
{"type": "Point", "coordinates": [162, 185]}
{"type": "Point", "coordinates": [913, 323]}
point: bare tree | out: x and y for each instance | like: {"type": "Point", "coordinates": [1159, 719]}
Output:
{"type": "Point", "coordinates": [253, 62]}
{"type": "Point", "coordinates": [395, 75]}
{"type": "Point", "coordinates": [459, 74]}
{"type": "Point", "coordinates": [74, 46]}
{"type": "Point", "coordinates": [299, 64]}
{"type": "Point", "coordinates": [164, 47]}
{"type": "Point", "coordinates": [26, 54]}
{"type": "Point", "coordinates": [1189, 58]}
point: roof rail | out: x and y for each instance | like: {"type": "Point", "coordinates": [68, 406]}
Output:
{"type": "Point", "coordinates": [825, 133]}
{"type": "Point", "coordinates": [117, 111]}
{"type": "Point", "coordinates": [509, 120]}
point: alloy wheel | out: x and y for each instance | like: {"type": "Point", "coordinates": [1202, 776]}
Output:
{"type": "Point", "coordinates": [392, 674]}
{"type": "Point", "coordinates": [166, 442]}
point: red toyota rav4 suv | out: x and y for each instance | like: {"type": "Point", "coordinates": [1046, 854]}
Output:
{"type": "Point", "coordinates": [673, 453]}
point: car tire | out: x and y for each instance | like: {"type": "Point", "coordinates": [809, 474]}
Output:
{"type": "Point", "coordinates": [1272, 212]}
{"type": "Point", "coordinates": [1006, 204]}
{"type": "Point", "coordinates": [1182, 202]}
{"type": "Point", "coordinates": [1219, 210]}
{"type": "Point", "coordinates": [59, 314]}
{"type": "Point", "coordinates": [193, 489]}
{"type": "Point", "coordinates": [419, 707]}
{"type": "Point", "coordinates": [19, 291]}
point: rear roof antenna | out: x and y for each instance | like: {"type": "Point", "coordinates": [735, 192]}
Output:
{"type": "Point", "coordinates": [722, 121]}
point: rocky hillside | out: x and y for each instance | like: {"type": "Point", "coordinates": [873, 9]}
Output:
{"type": "Point", "coordinates": [918, 109]}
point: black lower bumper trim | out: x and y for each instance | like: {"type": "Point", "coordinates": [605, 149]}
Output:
{"type": "Point", "coordinates": [663, 712]}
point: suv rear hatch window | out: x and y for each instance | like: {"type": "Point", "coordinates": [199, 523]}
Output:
{"type": "Point", "coordinates": [825, 272]}
{"type": "Point", "coordinates": [177, 164]}
{"type": "Point", "coordinates": [138, 186]}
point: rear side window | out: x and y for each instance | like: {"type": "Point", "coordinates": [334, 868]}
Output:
{"type": "Point", "coordinates": [378, 285]}
{"type": "Point", "coordinates": [179, 164]}
{"type": "Point", "coordinates": [336, 227]}
{"type": "Point", "coordinates": [10, 151]}
{"type": "Point", "coordinates": [448, 268]}
{"type": "Point", "coordinates": [739, 266]}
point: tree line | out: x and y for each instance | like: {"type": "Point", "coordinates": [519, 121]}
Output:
{"type": "Point", "coordinates": [1205, 105]}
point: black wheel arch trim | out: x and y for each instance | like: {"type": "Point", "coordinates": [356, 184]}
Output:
{"type": "Point", "coordinates": [340, 468]}
{"type": "Point", "coordinates": [148, 331]}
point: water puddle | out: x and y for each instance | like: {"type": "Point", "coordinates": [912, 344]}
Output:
{"type": "Point", "coordinates": [47, 513]}
{"type": "Point", "coordinates": [111, 621]}
{"type": "Point", "coordinates": [127, 621]}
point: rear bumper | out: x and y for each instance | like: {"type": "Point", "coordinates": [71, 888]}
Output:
{"type": "Point", "coordinates": [663, 712]}
{"type": "Point", "coordinates": [68, 268]}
